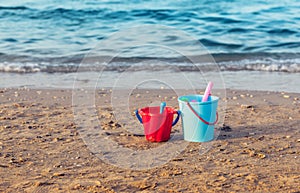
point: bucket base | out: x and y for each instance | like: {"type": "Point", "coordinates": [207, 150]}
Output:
{"type": "Point", "coordinates": [194, 140]}
{"type": "Point", "coordinates": [198, 134]}
{"type": "Point", "coordinates": [158, 137]}
{"type": "Point", "coordinates": [154, 140]}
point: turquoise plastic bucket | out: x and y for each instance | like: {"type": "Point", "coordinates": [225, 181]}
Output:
{"type": "Point", "coordinates": [198, 118]}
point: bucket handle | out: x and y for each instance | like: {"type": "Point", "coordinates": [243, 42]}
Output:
{"type": "Point", "coordinates": [138, 116]}
{"type": "Point", "coordinates": [177, 118]}
{"type": "Point", "coordinates": [206, 122]}
{"type": "Point", "coordinates": [141, 120]}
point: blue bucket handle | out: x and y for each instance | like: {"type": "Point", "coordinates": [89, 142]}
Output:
{"type": "Point", "coordinates": [141, 120]}
{"type": "Point", "coordinates": [138, 116]}
{"type": "Point", "coordinates": [177, 118]}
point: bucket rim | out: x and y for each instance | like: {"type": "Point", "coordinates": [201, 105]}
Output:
{"type": "Point", "coordinates": [214, 99]}
{"type": "Point", "coordinates": [168, 108]}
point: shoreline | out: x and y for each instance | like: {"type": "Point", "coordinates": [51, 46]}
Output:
{"type": "Point", "coordinates": [247, 80]}
{"type": "Point", "coordinates": [43, 150]}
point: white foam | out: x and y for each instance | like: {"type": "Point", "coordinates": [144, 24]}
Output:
{"type": "Point", "coordinates": [19, 67]}
{"type": "Point", "coordinates": [271, 65]}
{"type": "Point", "coordinates": [267, 64]}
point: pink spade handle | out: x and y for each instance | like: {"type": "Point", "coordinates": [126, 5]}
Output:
{"type": "Point", "coordinates": [207, 91]}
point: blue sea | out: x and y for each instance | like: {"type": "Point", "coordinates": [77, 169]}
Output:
{"type": "Point", "coordinates": [47, 40]}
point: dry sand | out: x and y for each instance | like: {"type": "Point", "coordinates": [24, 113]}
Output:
{"type": "Point", "coordinates": [42, 151]}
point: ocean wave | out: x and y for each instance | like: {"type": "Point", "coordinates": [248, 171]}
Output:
{"type": "Point", "coordinates": [290, 65]}
{"type": "Point", "coordinates": [214, 43]}
{"type": "Point", "coordinates": [54, 28]}
{"type": "Point", "coordinates": [223, 63]}
{"type": "Point", "coordinates": [13, 8]}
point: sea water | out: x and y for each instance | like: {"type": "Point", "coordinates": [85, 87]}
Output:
{"type": "Point", "coordinates": [254, 44]}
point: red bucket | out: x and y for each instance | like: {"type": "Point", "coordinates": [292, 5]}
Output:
{"type": "Point", "coordinates": [157, 127]}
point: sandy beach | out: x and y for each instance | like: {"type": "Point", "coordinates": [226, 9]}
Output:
{"type": "Point", "coordinates": [73, 74]}
{"type": "Point", "coordinates": [41, 150]}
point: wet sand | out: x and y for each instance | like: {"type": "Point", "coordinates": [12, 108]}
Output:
{"type": "Point", "coordinates": [41, 150]}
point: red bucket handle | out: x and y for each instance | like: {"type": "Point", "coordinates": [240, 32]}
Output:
{"type": "Point", "coordinates": [206, 122]}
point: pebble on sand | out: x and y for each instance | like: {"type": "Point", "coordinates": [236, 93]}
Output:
{"type": "Point", "coordinates": [246, 106]}
{"type": "Point", "coordinates": [58, 174]}
{"type": "Point", "coordinates": [261, 155]}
